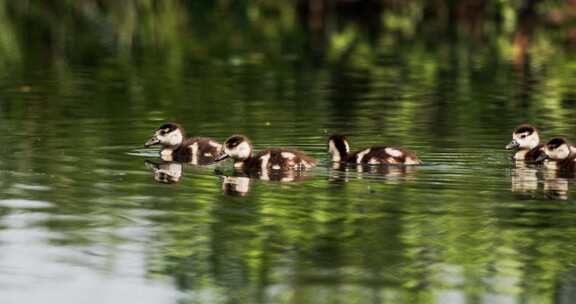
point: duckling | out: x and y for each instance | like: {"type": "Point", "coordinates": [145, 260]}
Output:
{"type": "Point", "coordinates": [339, 151]}
{"type": "Point", "coordinates": [559, 155]}
{"type": "Point", "coordinates": [526, 143]}
{"type": "Point", "coordinates": [239, 148]}
{"type": "Point", "coordinates": [195, 150]}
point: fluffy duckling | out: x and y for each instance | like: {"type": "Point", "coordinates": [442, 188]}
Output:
{"type": "Point", "coordinates": [526, 143]}
{"type": "Point", "coordinates": [559, 155]}
{"type": "Point", "coordinates": [339, 151]}
{"type": "Point", "coordinates": [195, 150]}
{"type": "Point", "coordinates": [239, 148]}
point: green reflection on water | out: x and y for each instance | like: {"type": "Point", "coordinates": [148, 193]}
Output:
{"type": "Point", "coordinates": [84, 83]}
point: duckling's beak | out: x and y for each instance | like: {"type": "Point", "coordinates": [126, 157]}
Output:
{"type": "Point", "coordinates": [512, 145]}
{"type": "Point", "coordinates": [222, 157]}
{"type": "Point", "coordinates": [542, 157]}
{"type": "Point", "coordinates": [153, 141]}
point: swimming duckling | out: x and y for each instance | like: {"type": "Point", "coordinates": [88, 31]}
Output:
{"type": "Point", "coordinates": [195, 150]}
{"type": "Point", "coordinates": [339, 150]}
{"type": "Point", "coordinates": [559, 155]}
{"type": "Point", "coordinates": [239, 148]}
{"type": "Point", "coordinates": [526, 143]}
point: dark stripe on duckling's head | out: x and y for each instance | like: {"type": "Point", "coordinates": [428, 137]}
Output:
{"type": "Point", "coordinates": [235, 140]}
{"type": "Point", "coordinates": [554, 143]}
{"type": "Point", "coordinates": [238, 147]}
{"type": "Point", "coordinates": [558, 149]}
{"type": "Point", "coordinates": [169, 127]}
{"type": "Point", "coordinates": [525, 128]}
{"type": "Point", "coordinates": [169, 134]}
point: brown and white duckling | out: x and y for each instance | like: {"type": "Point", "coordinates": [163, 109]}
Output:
{"type": "Point", "coordinates": [239, 148]}
{"type": "Point", "coordinates": [195, 150]}
{"type": "Point", "coordinates": [526, 143]}
{"type": "Point", "coordinates": [339, 151]}
{"type": "Point", "coordinates": [559, 155]}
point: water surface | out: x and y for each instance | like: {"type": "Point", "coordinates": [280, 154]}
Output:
{"type": "Point", "coordinates": [82, 218]}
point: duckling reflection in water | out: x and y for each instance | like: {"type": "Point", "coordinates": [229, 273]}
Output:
{"type": "Point", "coordinates": [195, 150]}
{"type": "Point", "coordinates": [165, 172]}
{"type": "Point", "coordinates": [342, 172]}
{"type": "Point", "coordinates": [236, 185]}
{"type": "Point", "coordinates": [524, 178]}
{"type": "Point", "coordinates": [556, 188]}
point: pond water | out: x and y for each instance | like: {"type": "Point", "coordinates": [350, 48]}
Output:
{"type": "Point", "coordinates": [82, 219]}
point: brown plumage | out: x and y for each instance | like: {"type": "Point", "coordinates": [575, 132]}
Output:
{"type": "Point", "coordinates": [379, 154]}
{"type": "Point", "coordinates": [560, 156]}
{"type": "Point", "coordinates": [526, 143]}
{"type": "Point", "coordinates": [239, 148]}
{"type": "Point", "coordinates": [195, 150]}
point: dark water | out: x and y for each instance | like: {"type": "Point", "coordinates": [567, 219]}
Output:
{"type": "Point", "coordinates": [83, 86]}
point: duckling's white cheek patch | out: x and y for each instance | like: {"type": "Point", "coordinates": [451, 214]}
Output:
{"type": "Point", "coordinates": [242, 151]}
{"type": "Point", "coordinates": [393, 152]}
{"type": "Point", "coordinates": [174, 138]}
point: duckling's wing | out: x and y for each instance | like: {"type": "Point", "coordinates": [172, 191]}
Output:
{"type": "Point", "coordinates": [284, 158]}
{"type": "Point", "coordinates": [387, 155]}
{"type": "Point", "coordinates": [207, 147]}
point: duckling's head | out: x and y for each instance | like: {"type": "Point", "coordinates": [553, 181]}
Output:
{"type": "Point", "coordinates": [524, 137]}
{"type": "Point", "coordinates": [237, 147]}
{"type": "Point", "coordinates": [168, 135]}
{"type": "Point", "coordinates": [557, 149]}
{"type": "Point", "coordinates": [338, 147]}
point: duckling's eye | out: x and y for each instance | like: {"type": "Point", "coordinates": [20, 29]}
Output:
{"type": "Point", "coordinates": [162, 132]}
{"type": "Point", "coordinates": [523, 136]}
